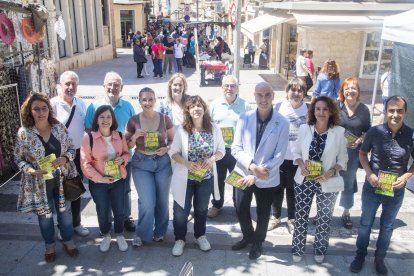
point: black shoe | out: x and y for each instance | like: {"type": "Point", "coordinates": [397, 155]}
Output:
{"type": "Point", "coordinates": [240, 244]}
{"type": "Point", "coordinates": [347, 222]}
{"type": "Point", "coordinates": [315, 220]}
{"type": "Point", "coordinates": [380, 266]}
{"type": "Point", "coordinates": [255, 251]}
{"type": "Point", "coordinates": [140, 77]}
{"type": "Point", "coordinates": [356, 264]}
{"type": "Point", "coordinates": [129, 225]}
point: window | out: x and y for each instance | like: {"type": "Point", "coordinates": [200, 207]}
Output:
{"type": "Point", "coordinates": [96, 23]}
{"type": "Point", "coordinates": [370, 55]}
{"type": "Point", "coordinates": [85, 26]}
{"type": "Point", "coordinates": [73, 26]}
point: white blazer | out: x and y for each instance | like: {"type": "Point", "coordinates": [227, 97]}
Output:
{"type": "Point", "coordinates": [335, 151]}
{"type": "Point", "coordinates": [180, 172]}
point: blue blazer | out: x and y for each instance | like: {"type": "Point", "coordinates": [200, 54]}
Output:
{"type": "Point", "coordinates": [271, 150]}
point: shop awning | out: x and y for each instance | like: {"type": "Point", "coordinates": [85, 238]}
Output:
{"type": "Point", "coordinates": [346, 22]}
{"type": "Point", "coordinates": [259, 24]}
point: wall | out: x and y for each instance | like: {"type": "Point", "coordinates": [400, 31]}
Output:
{"type": "Point", "coordinates": [139, 20]}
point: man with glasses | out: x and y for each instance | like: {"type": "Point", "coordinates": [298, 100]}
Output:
{"type": "Point", "coordinates": [225, 111]}
{"type": "Point", "coordinates": [260, 143]}
{"type": "Point", "coordinates": [123, 111]}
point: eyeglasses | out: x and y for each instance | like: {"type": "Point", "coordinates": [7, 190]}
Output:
{"type": "Point", "coordinates": [229, 85]}
{"type": "Point", "coordinates": [38, 110]}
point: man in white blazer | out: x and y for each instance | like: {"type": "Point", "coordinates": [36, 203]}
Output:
{"type": "Point", "coordinates": [260, 143]}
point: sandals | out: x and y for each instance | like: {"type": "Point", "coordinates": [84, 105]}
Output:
{"type": "Point", "coordinates": [347, 222]}
{"type": "Point", "coordinates": [50, 257]}
{"type": "Point", "coordinates": [73, 252]}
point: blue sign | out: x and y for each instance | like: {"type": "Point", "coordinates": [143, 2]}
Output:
{"type": "Point", "coordinates": [187, 18]}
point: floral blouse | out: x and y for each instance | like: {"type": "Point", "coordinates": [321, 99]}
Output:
{"type": "Point", "coordinates": [200, 148]}
{"type": "Point", "coordinates": [29, 149]}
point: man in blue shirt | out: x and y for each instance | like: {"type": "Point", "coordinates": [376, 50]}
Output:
{"type": "Point", "coordinates": [390, 145]}
{"type": "Point", "coordinates": [123, 111]}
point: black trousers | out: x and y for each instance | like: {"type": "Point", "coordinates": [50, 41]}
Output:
{"type": "Point", "coordinates": [227, 163]}
{"type": "Point", "coordinates": [243, 203]}
{"type": "Point", "coordinates": [76, 205]}
{"type": "Point", "coordinates": [287, 173]}
{"type": "Point", "coordinates": [140, 65]}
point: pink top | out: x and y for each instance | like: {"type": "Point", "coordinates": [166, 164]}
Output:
{"type": "Point", "coordinates": [93, 162]}
{"type": "Point", "coordinates": [310, 65]}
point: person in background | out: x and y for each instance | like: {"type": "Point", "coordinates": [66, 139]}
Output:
{"type": "Point", "coordinates": [179, 54]}
{"type": "Point", "coordinates": [197, 145]}
{"type": "Point", "coordinates": [390, 146]}
{"type": "Point", "coordinates": [320, 140]}
{"type": "Point", "coordinates": [355, 118]}
{"type": "Point", "coordinates": [295, 110]}
{"type": "Point", "coordinates": [328, 82]}
{"type": "Point", "coordinates": [169, 55]}
{"type": "Point", "coordinates": [302, 70]}
{"type": "Point", "coordinates": [225, 112]}
{"type": "Point", "coordinates": [70, 111]}
{"type": "Point", "coordinates": [252, 49]}
{"type": "Point", "coordinates": [146, 49]}
{"type": "Point", "coordinates": [101, 145]}
{"type": "Point", "coordinates": [139, 57]}
{"type": "Point", "coordinates": [311, 67]}
{"type": "Point", "coordinates": [42, 135]}
{"type": "Point", "coordinates": [157, 57]}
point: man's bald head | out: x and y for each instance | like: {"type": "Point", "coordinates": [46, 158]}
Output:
{"type": "Point", "coordinates": [263, 95]}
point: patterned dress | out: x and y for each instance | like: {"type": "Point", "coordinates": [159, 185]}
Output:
{"type": "Point", "coordinates": [200, 148]}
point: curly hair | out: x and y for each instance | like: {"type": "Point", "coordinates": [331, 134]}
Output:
{"type": "Point", "coordinates": [170, 82]}
{"type": "Point", "coordinates": [26, 110]}
{"type": "Point", "coordinates": [188, 121]}
{"type": "Point", "coordinates": [345, 84]}
{"type": "Point", "coordinates": [99, 111]}
{"type": "Point", "coordinates": [331, 69]}
{"type": "Point", "coordinates": [333, 110]}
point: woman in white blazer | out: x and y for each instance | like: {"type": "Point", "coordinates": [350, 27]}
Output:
{"type": "Point", "coordinates": [196, 147]}
{"type": "Point", "coordinates": [323, 140]}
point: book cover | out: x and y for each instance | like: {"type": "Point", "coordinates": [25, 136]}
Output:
{"type": "Point", "coordinates": [315, 169]}
{"type": "Point", "coordinates": [228, 135]}
{"type": "Point", "coordinates": [233, 179]}
{"type": "Point", "coordinates": [198, 175]}
{"type": "Point", "coordinates": [151, 141]}
{"type": "Point", "coordinates": [45, 164]}
{"type": "Point", "coordinates": [385, 180]}
{"type": "Point", "coordinates": [112, 169]}
{"type": "Point", "coordinates": [350, 138]}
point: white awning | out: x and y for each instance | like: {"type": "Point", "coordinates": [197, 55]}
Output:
{"type": "Point", "coordinates": [399, 28]}
{"type": "Point", "coordinates": [346, 22]}
{"type": "Point", "coordinates": [259, 24]}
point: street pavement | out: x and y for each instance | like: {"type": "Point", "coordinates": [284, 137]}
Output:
{"type": "Point", "coordinates": [22, 246]}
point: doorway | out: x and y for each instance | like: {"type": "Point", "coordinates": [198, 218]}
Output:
{"type": "Point", "coordinates": [127, 19]}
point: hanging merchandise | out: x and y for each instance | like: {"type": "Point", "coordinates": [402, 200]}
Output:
{"type": "Point", "coordinates": [6, 29]}
{"type": "Point", "coordinates": [29, 32]}
{"type": "Point", "coordinates": [60, 28]}
{"type": "Point", "coordinates": [40, 16]}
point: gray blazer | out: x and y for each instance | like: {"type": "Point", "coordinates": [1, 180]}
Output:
{"type": "Point", "coordinates": [271, 151]}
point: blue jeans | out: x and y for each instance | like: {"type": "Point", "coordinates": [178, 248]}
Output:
{"type": "Point", "coordinates": [199, 193]}
{"type": "Point", "coordinates": [157, 67]}
{"type": "Point", "coordinates": [370, 204]}
{"type": "Point", "coordinates": [107, 197]}
{"type": "Point", "coordinates": [47, 226]}
{"type": "Point", "coordinates": [350, 180]}
{"type": "Point", "coordinates": [127, 199]}
{"type": "Point", "coordinates": [152, 178]}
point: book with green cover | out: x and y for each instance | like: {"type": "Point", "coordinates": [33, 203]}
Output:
{"type": "Point", "coordinates": [45, 164]}
{"type": "Point", "coordinates": [228, 135]}
{"type": "Point", "coordinates": [233, 179]}
{"type": "Point", "coordinates": [315, 169]}
{"type": "Point", "coordinates": [385, 180]}
{"type": "Point", "coordinates": [198, 175]}
{"type": "Point", "coordinates": [350, 138]}
{"type": "Point", "coordinates": [112, 169]}
{"type": "Point", "coordinates": [151, 141]}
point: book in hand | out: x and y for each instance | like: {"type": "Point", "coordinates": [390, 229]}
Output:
{"type": "Point", "coordinates": [385, 180]}
{"type": "Point", "coordinates": [45, 164]}
{"type": "Point", "coordinates": [233, 180]}
{"type": "Point", "coordinates": [228, 135]}
{"type": "Point", "coordinates": [112, 170]}
{"type": "Point", "coordinates": [350, 138]}
{"type": "Point", "coordinates": [151, 141]}
{"type": "Point", "coordinates": [314, 168]}
{"type": "Point", "coordinates": [197, 175]}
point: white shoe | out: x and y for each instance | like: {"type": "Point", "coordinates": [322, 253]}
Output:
{"type": "Point", "coordinates": [319, 258]}
{"type": "Point", "coordinates": [296, 258]}
{"type": "Point", "coordinates": [136, 242]}
{"type": "Point", "coordinates": [122, 244]}
{"type": "Point", "coordinates": [291, 225]}
{"type": "Point", "coordinates": [273, 223]}
{"type": "Point", "coordinates": [178, 248]}
{"type": "Point", "coordinates": [105, 243]}
{"type": "Point", "coordinates": [81, 230]}
{"type": "Point", "coordinates": [213, 212]}
{"type": "Point", "coordinates": [203, 243]}
{"type": "Point", "coordinates": [158, 239]}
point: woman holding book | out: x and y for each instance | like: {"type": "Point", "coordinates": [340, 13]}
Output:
{"type": "Point", "coordinates": [197, 145]}
{"type": "Point", "coordinates": [42, 138]}
{"type": "Point", "coordinates": [151, 133]}
{"type": "Point", "coordinates": [320, 153]}
{"type": "Point", "coordinates": [355, 118]}
{"type": "Point", "coordinates": [104, 155]}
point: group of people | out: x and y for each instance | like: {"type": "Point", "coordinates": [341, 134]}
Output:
{"type": "Point", "coordinates": [305, 149]}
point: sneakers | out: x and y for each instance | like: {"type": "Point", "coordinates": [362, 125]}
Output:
{"type": "Point", "coordinates": [380, 267]}
{"type": "Point", "coordinates": [122, 244]}
{"type": "Point", "coordinates": [105, 243]}
{"type": "Point", "coordinates": [291, 225]}
{"type": "Point", "coordinates": [296, 258]}
{"type": "Point", "coordinates": [319, 258]}
{"type": "Point", "coordinates": [203, 243]}
{"type": "Point", "coordinates": [136, 242]}
{"type": "Point", "coordinates": [129, 225]}
{"type": "Point", "coordinates": [213, 212]}
{"type": "Point", "coordinates": [158, 239]}
{"type": "Point", "coordinates": [81, 230]}
{"type": "Point", "coordinates": [356, 264]}
{"type": "Point", "coordinates": [178, 248]}
{"type": "Point", "coordinates": [273, 223]}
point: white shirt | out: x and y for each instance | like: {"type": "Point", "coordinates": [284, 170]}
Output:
{"type": "Point", "coordinates": [385, 82]}
{"type": "Point", "coordinates": [300, 62]}
{"type": "Point", "coordinates": [62, 111]}
{"type": "Point", "coordinates": [110, 147]}
{"type": "Point", "coordinates": [178, 50]}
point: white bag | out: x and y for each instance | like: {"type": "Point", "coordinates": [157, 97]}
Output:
{"type": "Point", "coordinates": [333, 185]}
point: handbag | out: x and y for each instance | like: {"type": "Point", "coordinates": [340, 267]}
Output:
{"type": "Point", "coordinates": [333, 184]}
{"type": "Point", "coordinates": [73, 187]}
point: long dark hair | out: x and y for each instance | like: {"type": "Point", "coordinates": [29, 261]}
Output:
{"type": "Point", "coordinates": [99, 111]}
{"type": "Point", "coordinates": [188, 121]}
{"type": "Point", "coordinates": [333, 110]}
{"type": "Point", "coordinates": [26, 110]}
